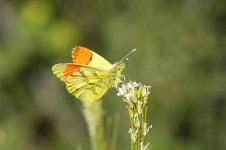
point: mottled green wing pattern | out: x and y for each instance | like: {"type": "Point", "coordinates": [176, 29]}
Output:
{"type": "Point", "coordinates": [85, 82]}
{"type": "Point", "coordinates": [89, 84]}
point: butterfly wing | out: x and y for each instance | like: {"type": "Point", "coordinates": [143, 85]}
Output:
{"type": "Point", "coordinates": [85, 56]}
{"type": "Point", "coordinates": [87, 77]}
{"type": "Point", "coordinates": [85, 82]}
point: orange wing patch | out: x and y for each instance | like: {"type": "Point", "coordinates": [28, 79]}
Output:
{"type": "Point", "coordinates": [81, 55]}
{"type": "Point", "coordinates": [70, 69]}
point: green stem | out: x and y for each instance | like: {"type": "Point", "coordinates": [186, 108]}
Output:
{"type": "Point", "coordinates": [144, 112]}
{"type": "Point", "coordinates": [93, 114]}
{"type": "Point", "coordinates": [114, 136]}
{"type": "Point", "coordinates": [132, 127]}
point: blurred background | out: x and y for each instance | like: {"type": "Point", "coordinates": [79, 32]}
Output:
{"type": "Point", "coordinates": [181, 53]}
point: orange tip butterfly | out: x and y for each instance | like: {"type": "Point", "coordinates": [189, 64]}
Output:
{"type": "Point", "coordinates": [90, 75]}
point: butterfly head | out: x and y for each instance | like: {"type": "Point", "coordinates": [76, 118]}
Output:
{"type": "Point", "coordinates": [117, 70]}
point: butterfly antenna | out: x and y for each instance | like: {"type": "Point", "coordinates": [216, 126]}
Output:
{"type": "Point", "coordinates": [125, 57]}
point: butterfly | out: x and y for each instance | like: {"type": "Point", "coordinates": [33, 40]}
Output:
{"type": "Point", "coordinates": [90, 75]}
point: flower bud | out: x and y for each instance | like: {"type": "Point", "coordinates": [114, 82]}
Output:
{"type": "Point", "coordinates": [145, 99]}
{"type": "Point", "coordinates": [139, 107]}
{"type": "Point", "coordinates": [136, 121]}
{"type": "Point", "coordinates": [131, 113]}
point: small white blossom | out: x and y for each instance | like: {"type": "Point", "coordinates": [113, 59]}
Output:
{"type": "Point", "coordinates": [135, 84]}
{"type": "Point", "coordinates": [122, 90]}
{"type": "Point", "coordinates": [146, 128]}
{"type": "Point", "coordinates": [130, 85]}
{"type": "Point", "coordinates": [145, 90]}
{"type": "Point", "coordinates": [143, 147]}
{"type": "Point", "coordinates": [126, 100]}
{"type": "Point", "coordinates": [128, 95]}
{"type": "Point", "coordinates": [133, 135]}
{"type": "Point", "coordinates": [134, 91]}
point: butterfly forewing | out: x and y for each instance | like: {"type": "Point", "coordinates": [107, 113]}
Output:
{"type": "Point", "coordinates": [85, 56]}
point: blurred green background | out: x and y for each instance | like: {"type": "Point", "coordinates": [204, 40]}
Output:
{"type": "Point", "coordinates": [181, 53]}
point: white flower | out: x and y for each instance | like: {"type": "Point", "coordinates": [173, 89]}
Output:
{"type": "Point", "coordinates": [146, 128]}
{"type": "Point", "coordinates": [126, 100]}
{"type": "Point", "coordinates": [143, 147]}
{"type": "Point", "coordinates": [133, 135]}
{"type": "Point", "coordinates": [130, 85]}
{"type": "Point", "coordinates": [128, 95]}
{"type": "Point", "coordinates": [145, 90]}
{"type": "Point", "coordinates": [122, 90]}
{"type": "Point", "coordinates": [135, 84]}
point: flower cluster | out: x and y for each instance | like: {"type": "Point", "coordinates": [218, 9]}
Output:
{"type": "Point", "coordinates": [136, 97]}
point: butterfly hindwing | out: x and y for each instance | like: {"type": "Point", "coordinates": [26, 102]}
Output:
{"type": "Point", "coordinates": [87, 83]}
{"type": "Point", "coordinates": [90, 89]}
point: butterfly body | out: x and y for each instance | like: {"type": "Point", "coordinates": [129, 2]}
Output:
{"type": "Point", "coordinates": [90, 75]}
{"type": "Point", "coordinates": [115, 73]}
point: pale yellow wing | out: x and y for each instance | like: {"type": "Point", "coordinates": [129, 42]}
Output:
{"type": "Point", "coordinates": [89, 83]}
